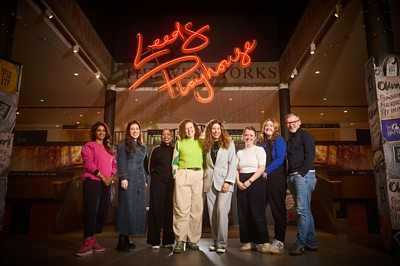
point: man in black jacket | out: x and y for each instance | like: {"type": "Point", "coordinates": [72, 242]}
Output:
{"type": "Point", "coordinates": [302, 180]}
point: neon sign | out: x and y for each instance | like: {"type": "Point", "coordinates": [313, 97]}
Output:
{"type": "Point", "coordinates": [158, 49]}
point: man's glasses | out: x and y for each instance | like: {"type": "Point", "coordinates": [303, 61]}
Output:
{"type": "Point", "coordinates": [292, 123]}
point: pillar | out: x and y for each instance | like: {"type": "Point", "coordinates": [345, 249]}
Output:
{"type": "Point", "coordinates": [109, 109]}
{"type": "Point", "coordinates": [382, 81]}
{"type": "Point", "coordinates": [284, 107]}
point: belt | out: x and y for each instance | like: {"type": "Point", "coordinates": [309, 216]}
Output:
{"type": "Point", "coordinates": [296, 173]}
{"type": "Point", "coordinates": [193, 168]}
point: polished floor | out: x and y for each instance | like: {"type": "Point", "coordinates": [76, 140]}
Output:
{"type": "Point", "coordinates": [59, 250]}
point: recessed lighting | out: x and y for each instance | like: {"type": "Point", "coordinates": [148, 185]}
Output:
{"type": "Point", "coordinates": [262, 111]}
{"type": "Point", "coordinates": [325, 99]}
{"type": "Point", "coordinates": [17, 113]}
{"type": "Point", "coordinates": [98, 112]}
{"type": "Point", "coordinates": [136, 99]}
{"type": "Point", "coordinates": [322, 114]}
{"type": "Point", "coordinates": [345, 111]}
{"type": "Point", "coordinates": [78, 122]}
{"type": "Point", "coordinates": [42, 100]}
{"type": "Point", "coordinates": [317, 72]}
{"type": "Point", "coordinates": [81, 115]}
{"type": "Point", "coordinates": [230, 99]}
{"type": "Point", "coordinates": [76, 74]}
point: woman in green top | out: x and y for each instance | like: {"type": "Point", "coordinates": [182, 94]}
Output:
{"type": "Point", "coordinates": [187, 167]}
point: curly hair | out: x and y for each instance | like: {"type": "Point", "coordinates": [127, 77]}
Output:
{"type": "Point", "coordinates": [107, 139]}
{"type": "Point", "coordinates": [129, 147]}
{"type": "Point", "coordinates": [224, 141]}
{"type": "Point", "coordinates": [277, 132]}
{"type": "Point", "coordinates": [182, 132]}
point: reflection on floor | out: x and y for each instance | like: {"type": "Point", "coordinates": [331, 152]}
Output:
{"type": "Point", "coordinates": [59, 250]}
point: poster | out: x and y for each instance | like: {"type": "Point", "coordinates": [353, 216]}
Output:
{"type": "Point", "coordinates": [10, 76]}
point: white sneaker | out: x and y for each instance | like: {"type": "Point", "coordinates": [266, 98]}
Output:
{"type": "Point", "coordinates": [264, 248]}
{"type": "Point", "coordinates": [155, 247]}
{"type": "Point", "coordinates": [212, 248]}
{"type": "Point", "coordinates": [277, 247]}
{"type": "Point", "coordinates": [221, 250]}
{"type": "Point", "coordinates": [246, 247]}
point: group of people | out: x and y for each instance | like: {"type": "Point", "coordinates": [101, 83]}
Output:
{"type": "Point", "coordinates": [200, 166]}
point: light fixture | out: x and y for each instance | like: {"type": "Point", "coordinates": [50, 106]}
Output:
{"type": "Point", "coordinates": [75, 48]}
{"type": "Point", "coordinates": [317, 72]}
{"type": "Point", "coordinates": [294, 73]}
{"type": "Point", "coordinates": [76, 74]}
{"type": "Point", "coordinates": [97, 75]}
{"type": "Point", "coordinates": [49, 14]}
{"type": "Point", "coordinates": [312, 48]}
{"type": "Point", "coordinates": [338, 9]}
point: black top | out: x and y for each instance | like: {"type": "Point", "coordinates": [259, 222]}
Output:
{"type": "Point", "coordinates": [160, 167]}
{"type": "Point", "coordinates": [214, 151]}
{"type": "Point", "coordinates": [300, 152]}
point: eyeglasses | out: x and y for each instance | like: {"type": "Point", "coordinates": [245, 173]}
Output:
{"type": "Point", "coordinates": [292, 123]}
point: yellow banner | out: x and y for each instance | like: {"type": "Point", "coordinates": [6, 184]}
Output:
{"type": "Point", "coordinates": [8, 77]}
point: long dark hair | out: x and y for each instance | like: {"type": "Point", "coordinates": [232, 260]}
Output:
{"type": "Point", "coordinates": [107, 139]}
{"type": "Point", "coordinates": [223, 141]}
{"type": "Point", "coordinates": [129, 147]}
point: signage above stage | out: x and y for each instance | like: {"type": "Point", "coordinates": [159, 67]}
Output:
{"type": "Point", "coordinates": [198, 76]}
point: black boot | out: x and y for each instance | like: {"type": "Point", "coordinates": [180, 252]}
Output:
{"type": "Point", "coordinates": [129, 243]}
{"type": "Point", "coordinates": [122, 246]}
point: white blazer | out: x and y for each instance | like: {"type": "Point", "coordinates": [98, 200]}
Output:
{"type": "Point", "coordinates": [225, 169]}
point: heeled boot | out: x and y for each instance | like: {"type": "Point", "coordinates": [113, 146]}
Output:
{"type": "Point", "coordinates": [122, 246]}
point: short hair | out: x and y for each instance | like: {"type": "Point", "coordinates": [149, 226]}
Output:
{"type": "Point", "coordinates": [290, 115]}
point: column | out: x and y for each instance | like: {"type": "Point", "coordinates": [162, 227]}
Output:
{"type": "Point", "coordinates": [382, 82]}
{"type": "Point", "coordinates": [9, 76]}
{"type": "Point", "coordinates": [109, 109]}
{"type": "Point", "coordinates": [284, 107]}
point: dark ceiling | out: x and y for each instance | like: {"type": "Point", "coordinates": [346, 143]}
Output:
{"type": "Point", "coordinates": [270, 22]}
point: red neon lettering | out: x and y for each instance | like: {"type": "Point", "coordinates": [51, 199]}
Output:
{"type": "Point", "coordinates": [203, 73]}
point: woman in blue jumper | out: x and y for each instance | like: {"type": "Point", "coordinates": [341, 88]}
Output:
{"type": "Point", "coordinates": [275, 148]}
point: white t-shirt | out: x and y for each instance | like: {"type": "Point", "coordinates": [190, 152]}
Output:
{"type": "Point", "coordinates": [249, 159]}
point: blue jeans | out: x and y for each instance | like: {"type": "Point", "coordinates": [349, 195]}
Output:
{"type": "Point", "coordinates": [302, 188]}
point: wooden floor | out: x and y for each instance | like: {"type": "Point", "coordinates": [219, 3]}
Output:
{"type": "Point", "coordinates": [59, 250]}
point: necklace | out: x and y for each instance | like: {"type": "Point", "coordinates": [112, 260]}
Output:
{"type": "Point", "coordinates": [215, 149]}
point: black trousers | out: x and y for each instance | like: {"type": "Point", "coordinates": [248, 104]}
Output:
{"type": "Point", "coordinates": [160, 213]}
{"type": "Point", "coordinates": [96, 200]}
{"type": "Point", "coordinates": [275, 187]}
{"type": "Point", "coordinates": [251, 211]}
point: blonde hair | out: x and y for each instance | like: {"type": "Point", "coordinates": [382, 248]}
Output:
{"type": "Point", "coordinates": [277, 132]}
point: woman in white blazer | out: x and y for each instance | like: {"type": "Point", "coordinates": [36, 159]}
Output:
{"type": "Point", "coordinates": [219, 180]}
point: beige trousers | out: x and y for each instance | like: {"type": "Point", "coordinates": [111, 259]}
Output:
{"type": "Point", "coordinates": [188, 205]}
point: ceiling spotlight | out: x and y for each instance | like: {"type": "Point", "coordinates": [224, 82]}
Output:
{"type": "Point", "coordinates": [294, 73]}
{"type": "Point", "coordinates": [75, 48]}
{"type": "Point", "coordinates": [97, 75]}
{"type": "Point", "coordinates": [338, 10]}
{"type": "Point", "coordinates": [49, 14]}
{"type": "Point", "coordinates": [312, 48]}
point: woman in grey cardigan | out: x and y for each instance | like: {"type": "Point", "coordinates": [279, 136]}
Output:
{"type": "Point", "coordinates": [219, 181]}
